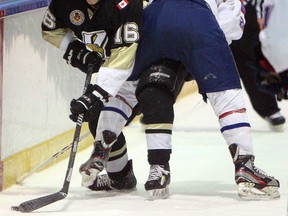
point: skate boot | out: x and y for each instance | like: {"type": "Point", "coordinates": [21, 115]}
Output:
{"type": "Point", "coordinates": [158, 181]}
{"type": "Point", "coordinates": [104, 183]}
{"type": "Point", "coordinates": [276, 121]}
{"type": "Point", "coordinates": [94, 165]}
{"type": "Point", "coordinates": [253, 183]}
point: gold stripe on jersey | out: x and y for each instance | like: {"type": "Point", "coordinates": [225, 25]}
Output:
{"type": "Point", "coordinates": [158, 127]}
{"type": "Point", "coordinates": [117, 152]}
{"type": "Point", "coordinates": [122, 57]}
{"type": "Point", "coordinates": [56, 36]}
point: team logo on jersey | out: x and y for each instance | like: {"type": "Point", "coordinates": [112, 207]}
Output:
{"type": "Point", "coordinates": [77, 17]}
{"type": "Point", "coordinates": [95, 41]}
{"type": "Point", "coordinates": [122, 4]}
{"type": "Point", "coordinates": [96, 48]}
{"type": "Point", "coordinates": [210, 76]}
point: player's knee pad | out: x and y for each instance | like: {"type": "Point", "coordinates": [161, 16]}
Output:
{"type": "Point", "coordinates": [167, 74]}
{"type": "Point", "coordinates": [158, 117]}
{"type": "Point", "coordinates": [156, 105]}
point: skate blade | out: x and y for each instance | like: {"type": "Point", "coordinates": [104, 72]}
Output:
{"type": "Point", "coordinates": [114, 190]}
{"type": "Point", "coordinates": [120, 191]}
{"type": "Point", "coordinates": [249, 192]}
{"type": "Point", "coordinates": [276, 128]}
{"type": "Point", "coordinates": [162, 193]}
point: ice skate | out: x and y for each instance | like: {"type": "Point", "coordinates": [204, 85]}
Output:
{"type": "Point", "coordinates": [253, 183]}
{"type": "Point", "coordinates": [94, 165]}
{"type": "Point", "coordinates": [158, 181]}
{"type": "Point", "coordinates": [276, 121]}
{"type": "Point", "coordinates": [104, 183]}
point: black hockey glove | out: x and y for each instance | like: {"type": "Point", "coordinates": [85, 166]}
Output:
{"type": "Point", "coordinates": [283, 93]}
{"type": "Point", "coordinates": [89, 115]}
{"type": "Point", "coordinates": [89, 103]}
{"type": "Point", "coordinates": [270, 78]}
{"type": "Point", "coordinates": [78, 56]}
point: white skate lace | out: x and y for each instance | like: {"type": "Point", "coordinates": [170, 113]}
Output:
{"type": "Point", "coordinates": [156, 172]}
{"type": "Point", "coordinates": [103, 181]}
{"type": "Point", "coordinates": [259, 171]}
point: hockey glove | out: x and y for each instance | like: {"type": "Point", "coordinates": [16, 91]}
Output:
{"type": "Point", "coordinates": [268, 75]}
{"type": "Point", "coordinates": [283, 93]}
{"type": "Point", "coordinates": [79, 57]}
{"type": "Point", "coordinates": [91, 101]}
{"type": "Point", "coordinates": [270, 78]}
{"type": "Point", "coordinates": [89, 115]}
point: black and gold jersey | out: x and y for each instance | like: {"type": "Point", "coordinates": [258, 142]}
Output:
{"type": "Point", "coordinates": [116, 23]}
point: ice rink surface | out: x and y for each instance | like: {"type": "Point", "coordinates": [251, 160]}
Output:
{"type": "Point", "coordinates": [201, 170]}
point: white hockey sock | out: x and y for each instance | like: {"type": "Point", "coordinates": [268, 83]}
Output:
{"type": "Point", "coordinates": [117, 165]}
{"type": "Point", "coordinates": [229, 107]}
{"type": "Point", "coordinates": [157, 139]}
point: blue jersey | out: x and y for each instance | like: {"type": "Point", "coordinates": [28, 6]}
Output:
{"type": "Point", "coordinates": [187, 31]}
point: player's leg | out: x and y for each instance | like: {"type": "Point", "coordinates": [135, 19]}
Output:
{"type": "Point", "coordinates": [217, 78]}
{"type": "Point", "coordinates": [223, 89]}
{"type": "Point", "coordinates": [226, 97]}
{"type": "Point", "coordinates": [253, 183]}
{"type": "Point", "coordinates": [110, 149]}
{"type": "Point", "coordinates": [120, 175]}
{"type": "Point", "coordinates": [156, 96]}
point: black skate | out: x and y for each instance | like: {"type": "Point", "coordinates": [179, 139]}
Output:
{"type": "Point", "coordinates": [94, 165]}
{"type": "Point", "coordinates": [253, 183]}
{"type": "Point", "coordinates": [158, 181]}
{"type": "Point", "coordinates": [104, 183]}
{"type": "Point", "coordinates": [276, 121]}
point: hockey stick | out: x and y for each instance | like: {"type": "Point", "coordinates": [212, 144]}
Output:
{"type": "Point", "coordinates": [40, 202]}
{"type": "Point", "coordinates": [49, 160]}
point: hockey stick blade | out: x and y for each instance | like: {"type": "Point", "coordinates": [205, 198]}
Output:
{"type": "Point", "coordinates": [40, 202]}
